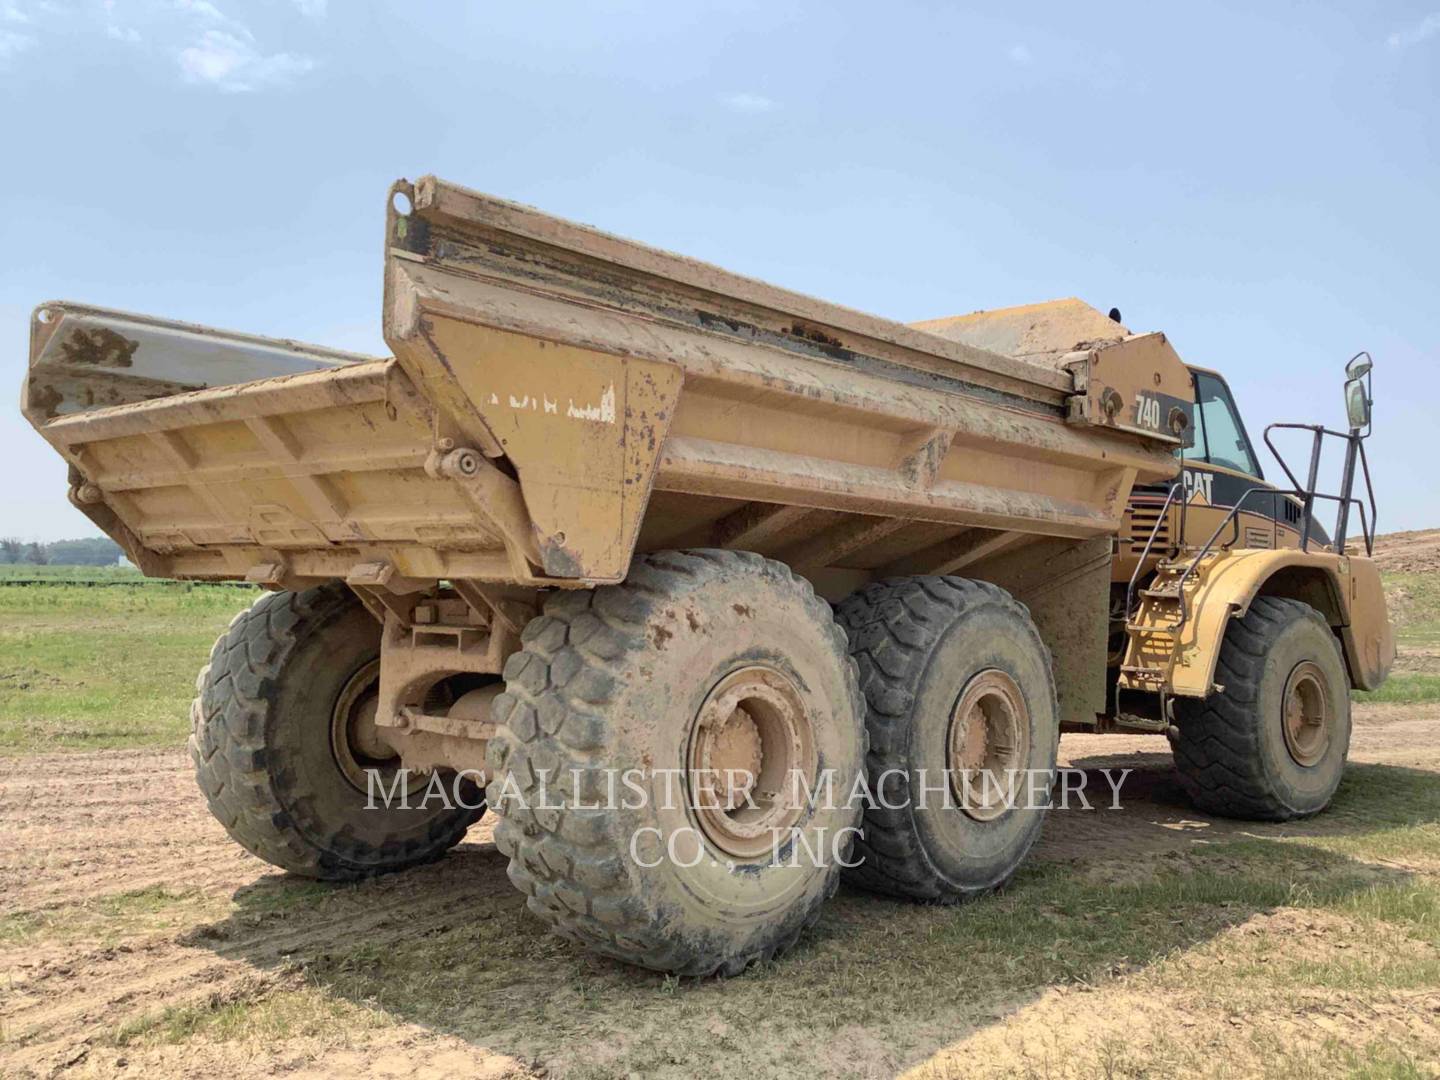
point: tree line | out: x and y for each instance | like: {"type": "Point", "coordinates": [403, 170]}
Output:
{"type": "Point", "coordinates": [92, 551]}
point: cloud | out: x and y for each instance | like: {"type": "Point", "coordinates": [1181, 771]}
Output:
{"type": "Point", "coordinates": [1427, 27]}
{"type": "Point", "coordinates": [12, 44]}
{"type": "Point", "coordinates": [747, 103]}
{"type": "Point", "coordinates": [1020, 54]}
{"type": "Point", "coordinates": [210, 47]}
{"type": "Point", "coordinates": [311, 9]}
{"type": "Point", "coordinates": [233, 64]}
{"type": "Point", "coordinates": [207, 12]}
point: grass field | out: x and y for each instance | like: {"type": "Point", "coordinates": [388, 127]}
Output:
{"type": "Point", "coordinates": [1414, 603]}
{"type": "Point", "coordinates": [32, 572]}
{"type": "Point", "coordinates": [100, 660]}
{"type": "Point", "coordinates": [98, 657]}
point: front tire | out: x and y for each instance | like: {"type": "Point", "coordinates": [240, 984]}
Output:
{"type": "Point", "coordinates": [959, 686]}
{"type": "Point", "coordinates": [270, 748]}
{"type": "Point", "coordinates": [625, 712]}
{"type": "Point", "coordinates": [1272, 744]}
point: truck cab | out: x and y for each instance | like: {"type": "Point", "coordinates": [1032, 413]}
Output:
{"type": "Point", "coordinates": [1217, 471]}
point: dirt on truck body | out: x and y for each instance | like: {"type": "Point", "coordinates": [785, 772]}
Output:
{"type": "Point", "coordinates": [590, 520]}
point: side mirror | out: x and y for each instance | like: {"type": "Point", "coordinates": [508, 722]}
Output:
{"type": "Point", "coordinates": [1357, 404]}
{"type": "Point", "coordinates": [1357, 391]}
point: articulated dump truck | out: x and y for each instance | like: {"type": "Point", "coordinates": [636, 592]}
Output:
{"type": "Point", "coordinates": [710, 590]}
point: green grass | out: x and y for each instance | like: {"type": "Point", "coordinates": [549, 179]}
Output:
{"type": "Point", "coordinates": [99, 666]}
{"type": "Point", "coordinates": [106, 918]}
{"type": "Point", "coordinates": [11, 571]}
{"type": "Point", "coordinates": [275, 1016]}
{"type": "Point", "coordinates": [1404, 687]}
{"type": "Point", "coordinates": [106, 658]}
{"type": "Point", "coordinates": [1414, 604]}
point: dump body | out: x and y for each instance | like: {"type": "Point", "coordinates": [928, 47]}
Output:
{"type": "Point", "coordinates": [560, 398]}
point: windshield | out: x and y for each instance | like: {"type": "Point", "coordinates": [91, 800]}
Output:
{"type": "Point", "coordinates": [1220, 437]}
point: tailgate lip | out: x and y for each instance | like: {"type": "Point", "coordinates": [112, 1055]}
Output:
{"type": "Point", "coordinates": [84, 358]}
{"type": "Point", "coordinates": [42, 329]}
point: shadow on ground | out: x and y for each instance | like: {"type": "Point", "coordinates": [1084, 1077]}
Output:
{"type": "Point", "coordinates": [875, 987]}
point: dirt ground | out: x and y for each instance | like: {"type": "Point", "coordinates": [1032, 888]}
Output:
{"type": "Point", "coordinates": [1414, 552]}
{"type": "Point", "coordinates": [187, 918]}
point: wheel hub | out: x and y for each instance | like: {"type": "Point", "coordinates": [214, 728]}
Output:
{"type": "Point", "coordinates": [753, 742]}
{"type": "Point", "coordinates": [354, 736]}
{"type": "Point", "coordinates": [1307, 717]}
{"type": "Point", "coordinates": [989, 740]}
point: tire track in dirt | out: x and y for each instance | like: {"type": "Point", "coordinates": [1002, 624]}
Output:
{"type": "Point", "coordinates": [80, 995]}
{"type": "Point", "coordinates": [166, 968]}
{"type": "Point", "coordinates": [143, 825]}
{"type": "Point", "coordinates": [87, 827]}
{"type": "Point", "coordinates": [80, 880]}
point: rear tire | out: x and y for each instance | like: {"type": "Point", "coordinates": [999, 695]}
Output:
{"type": "Point", "coordinates": [1237, 752]}
{"type": "Point", "coordinates": [937, 654]}
{"type": "Point", "coordinates": [261, 741]}
{"type": "Point", "coordinates": [699, 654]}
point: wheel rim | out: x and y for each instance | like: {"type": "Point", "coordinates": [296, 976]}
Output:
{"type": "Point", "coordinates": [1308, 716]}
{"type": "Point", "coordinates": [354, 736]}
{"type": "Point", "coordinates": [752, 736]}
{"type": "Point", "coordinates": [989, 737]}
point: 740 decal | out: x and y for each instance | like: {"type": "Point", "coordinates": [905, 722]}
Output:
{"type": "Point", "coordinates": [1147, 411]}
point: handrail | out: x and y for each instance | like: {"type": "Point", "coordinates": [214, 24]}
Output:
{"type": "Point", "coordinates": [1306, 494]}
{"type": "Point", "coordinates": [1309, 496]}
{"type": "Point", "coordinates": [1233, 516]}
{"type": "Point", "coordinates": [1369, 494]}
{"type": "Point", "coordinates": [1178, 485]}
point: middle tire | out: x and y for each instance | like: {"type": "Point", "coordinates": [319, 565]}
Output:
{"type": "Point", "coordinates": [640, 770]}
{"type": "Point", "coordinates": [959, 686]}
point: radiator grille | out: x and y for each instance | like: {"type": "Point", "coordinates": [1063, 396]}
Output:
{"type": "Point", "coordinates": [1140, 519]}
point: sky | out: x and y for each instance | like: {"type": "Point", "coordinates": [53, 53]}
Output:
{"type": "Point", "coordinates": [1259, 181]}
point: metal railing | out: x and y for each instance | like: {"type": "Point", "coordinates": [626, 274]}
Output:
{"type": "Point", "coordinates": [1354, 449]}
{"type": "Point", "coordinates": [1160, 522]}
{"type": "Point", "coordinates": [1306, 495]}
{"type": "Point", "coordinates": [1232, 518]}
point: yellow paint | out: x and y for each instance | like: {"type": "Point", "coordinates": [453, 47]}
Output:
{"type": "Point", "coordinates": [1226, 583]}
{"type": "Point", "coordinates": [582, 428]}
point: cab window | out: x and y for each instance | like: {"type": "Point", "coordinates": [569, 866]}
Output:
{"type": "Point", "coordinates": [1219, 436]}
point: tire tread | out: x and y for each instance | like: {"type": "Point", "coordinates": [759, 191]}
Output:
{"type": "Point", "coordinates": [566, 676]}
{"type": "Point", "coordinates": [246, 784]}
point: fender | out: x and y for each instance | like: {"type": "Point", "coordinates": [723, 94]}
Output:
{"type": "Point", "coordinates": [1345, 589]}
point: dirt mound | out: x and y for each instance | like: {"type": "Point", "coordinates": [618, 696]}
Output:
{"type": "Point", "coordinates": [1414, 552]}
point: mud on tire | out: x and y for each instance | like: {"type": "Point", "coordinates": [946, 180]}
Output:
{"type": "Point", "coordinates": [930, 649]}
{"type": "Point", "coordinates": [1232, 752]}
{"type": "Point", "coordinates": [616, 679]}
{"type": "Point", "coordinates": [261, 743]}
